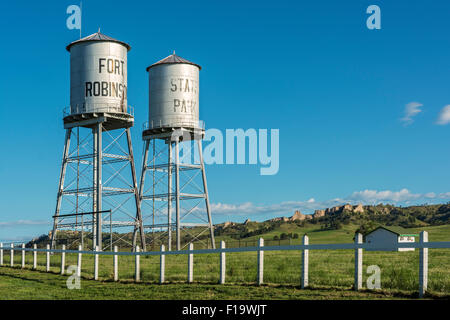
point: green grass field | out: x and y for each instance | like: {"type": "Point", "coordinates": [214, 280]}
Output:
{"type": "Point", "coordinates": [25, 284]}
{"type": "Point", "coordinates": [330, 277]}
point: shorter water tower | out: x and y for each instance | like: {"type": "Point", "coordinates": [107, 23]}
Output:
{"type": "Point", "coordinates": [174, 136]}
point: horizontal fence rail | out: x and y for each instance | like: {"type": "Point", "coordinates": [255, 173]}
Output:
{"type": "Point", "coordinates": [334, 246]}
{"type": "Point", "coordinates": [423, 245]}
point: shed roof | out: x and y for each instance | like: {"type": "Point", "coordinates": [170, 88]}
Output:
{"type": "Point", "coordinates": [399, 231]}
{"type": "Point", "coordinates": [172, 59]}
{"type": "Point", "coordinates": [98, 37]}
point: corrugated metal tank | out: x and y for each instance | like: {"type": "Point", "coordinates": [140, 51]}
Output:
{"type": "Point", "coordinates": [98, 75]}
{"type": "Point", "coordinates": [173, 93]}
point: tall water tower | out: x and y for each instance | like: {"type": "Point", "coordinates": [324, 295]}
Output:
{"type": "Point", "coordinates": [96, 190]}
{"type": "Point", "coordinates": [178, 182]}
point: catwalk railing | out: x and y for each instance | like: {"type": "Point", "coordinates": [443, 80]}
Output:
{"type": "Point", "coordinates": [358, 246]}
{"type": "Point", "coordinates": [98, 108]}
{"type": "Point", "coordinates": [200, 124]}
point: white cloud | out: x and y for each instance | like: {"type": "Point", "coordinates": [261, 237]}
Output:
{"type": "Point", "coordinates": [232, 208]}
{"type": "Point", "coordinates": [248, 208]}
{"type": "Point", "coordinates": [17, 239]}
{"type": "Point", "coordinates": [444, 115]}
{"type": "Point", "coordinates": [444, 195]}
{"type": "Point", "coordinates": [371, 196]}
{"type": "Point", "coordinates": [287, 208]}
{"type": "Point", "coordinates": [24, 223]}
{"type": "Point", "coordinates": [411, 110]}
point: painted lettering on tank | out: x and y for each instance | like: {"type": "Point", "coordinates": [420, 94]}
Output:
{"type": "Point", "coordinates": [107, 88]}
{"type": "Point", "coordinates": [183, 85]}
{"type": "Point", "coordinates": [185, 106]}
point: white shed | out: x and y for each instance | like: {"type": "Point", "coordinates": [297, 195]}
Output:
{"type": "Point", "coordinates": [385, 237]}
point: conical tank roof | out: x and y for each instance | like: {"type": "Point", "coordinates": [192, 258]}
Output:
{"type": "Point", "coordinates": [97, 37]}
{"type": "Point", "coordinates": [172, 59]}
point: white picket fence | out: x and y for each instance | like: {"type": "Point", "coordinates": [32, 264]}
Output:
{"type": "Point", "coordinates": [423, 245]}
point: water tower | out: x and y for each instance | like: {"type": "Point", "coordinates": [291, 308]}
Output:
{"type": "Point", "coordinates": [97, 191]}
{"type": "Point", "coordinates": [174, 136]}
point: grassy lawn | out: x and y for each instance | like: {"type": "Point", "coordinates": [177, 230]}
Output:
{"type": "Point", "coordinates": [25, 284]}
{"type": "Point", "coordinates": [330, 275]}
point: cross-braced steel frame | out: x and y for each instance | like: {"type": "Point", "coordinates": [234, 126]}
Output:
{"type": "Point", "coordinates": [176, 182]}
{"type": "Point", "coordinates": [95, 192]}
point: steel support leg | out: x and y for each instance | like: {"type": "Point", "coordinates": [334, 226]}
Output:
{"type": "Point", "coordinates": [177, 194]}
{"type": "Point", "coordinates": [136, 194]}
{"type": "Point", "coordinates": [153, 187]}
{"type": "Point", "coordinates": [141, 187]}
{"type": "Point", "coordinates": [94, 187]}
{"type": "Point", "coordinates": [61, 186]}
{"type": "Point", "coordinates": [169, 198]}
{"type": "Point", "coordinates": [205, 187]}
{"type": "Point", "coordinates": [99, 186]}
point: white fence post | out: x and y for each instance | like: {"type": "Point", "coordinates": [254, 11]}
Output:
{"type": "Point", "coordinates": [1, 254]}
{"type": "Point", "coordinates": [116, 265]}
{"type": "Point", "coordinates": [191, 264]}
{"type": "Point", "coordinates": [423, 265]}
{"type": "Point", "coordinates": [23, 255]}
{"type": "Point", "coordinates": [358, 262]}
{"type": "Point", "coordinates": [79, 261]}
{"type": "Point", "coordinates": [96, 263]}
{"type": "Point", "coordinates": [222, 263]}
{"type": "Point", "coordinates": [48, 259]}
{"type": "Point", "coordinates": [137, 271]}
{"type": "Point", "coordinates": [260, 261]}
{"type": "Point", "coordinates": [34, 256]}
{"type": "Point", "coordinates": [162, 269]}
{"type": "Point", "coordinates": [305, 263]}
{"type": "Point", "coordinates": [63, 258]}
{"type": "Point", "coordinates": [12, 255]}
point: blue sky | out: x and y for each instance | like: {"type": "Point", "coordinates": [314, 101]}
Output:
{"type": "Point", "coordinates": [336, 90]}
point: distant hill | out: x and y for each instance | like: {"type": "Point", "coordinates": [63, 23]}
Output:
{"type": "Point", "coordinates": [366, 217]}
{"type": "Point", "coordinates": [349, 217]}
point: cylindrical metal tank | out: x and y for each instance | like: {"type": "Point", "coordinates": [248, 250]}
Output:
{"type": "Point", "coordinates": [173, 93]}
{"type": "Point", "coordinates": [98, 75]}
